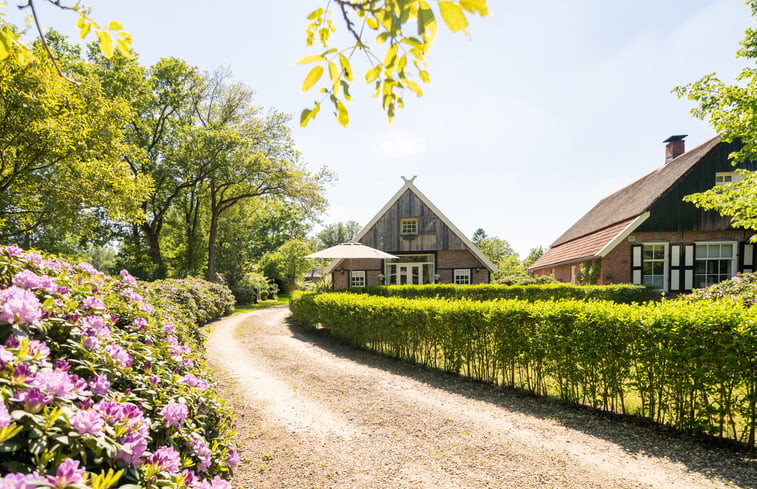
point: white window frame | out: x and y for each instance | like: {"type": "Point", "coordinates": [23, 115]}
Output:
{"type": "Point", "coordinates": [408, 226]}
{"type": "Point", "coordinates": [724, 177]}
{"type": "Point", "coordinates": [461, 276]}
{"type": "Point", "coordinates": [357, 279]}
{"type": "Point", "coordinates": [664, 260]}
{"type": "Point", "coordinates": [734, 259]}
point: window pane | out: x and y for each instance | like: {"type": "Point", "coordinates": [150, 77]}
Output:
{"type": "Point", "coordinates": [713, 251]}
{"type": "Point", "coordinates": [658, 268]}
{"type": "Point", "coordinates": [701, 251]}
{"type": "Point", "coordinates": [648, 253]}
{"type": "Point", "coordinates": [647, 268]}
{"type": "Point", "coordinates": [726, 251]}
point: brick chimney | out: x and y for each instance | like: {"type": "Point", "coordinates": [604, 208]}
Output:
{"type": "Point", "coordinates": [676, 147]}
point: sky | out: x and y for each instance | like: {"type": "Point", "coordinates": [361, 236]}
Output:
{"type": "Point", "coordinates": [543, 109]}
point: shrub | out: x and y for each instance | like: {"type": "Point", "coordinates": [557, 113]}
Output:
{"type": "Point", "coordinates": [688, 365]}
{"type": "Point", "coordinates": [100, 387]}
{"type": "Point", "coordinates": [198, 300]}
{"type": "Point", "coordinates": [741, 288]}
{"type": "Point", "coordinates": [623, 293]}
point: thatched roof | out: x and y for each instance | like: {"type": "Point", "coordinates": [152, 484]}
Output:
{"type": "Point", "coordinates": [614, 213]}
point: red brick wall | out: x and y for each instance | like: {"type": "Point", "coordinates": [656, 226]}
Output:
{"type": "Point", "coordinates": [616, 266]}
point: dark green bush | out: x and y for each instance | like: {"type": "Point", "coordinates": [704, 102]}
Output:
{"type": "Point", "coordinates": [199, 300]}
{"type": "Point", "coordinates": [741, 288]}
{"type": "Point", "coordinates": [692, 366]}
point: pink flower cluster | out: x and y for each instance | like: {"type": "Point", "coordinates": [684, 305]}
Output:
{"type": "Point", "coordinates": [119, 355]}
{"type": "Point", "coordinates": [19, 306]}
{"type": "Point", "coordinates": [132, 418]}
{"type": "Point", "coordinates": [167, 459]}
{"type": "Point", "coordinates": [29, 280]}
{"type": "Point", "coordinates": [174, 413]}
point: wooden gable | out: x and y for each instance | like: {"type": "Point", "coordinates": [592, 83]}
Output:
{"type": "Point", "coordinates": [433, 233]}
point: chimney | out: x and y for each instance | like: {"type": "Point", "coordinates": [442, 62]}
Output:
{"type": "Point", "coordinates": [676, 147]}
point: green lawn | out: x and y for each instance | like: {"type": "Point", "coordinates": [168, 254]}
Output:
{"type": "Point", "coordinates": [281, 299]}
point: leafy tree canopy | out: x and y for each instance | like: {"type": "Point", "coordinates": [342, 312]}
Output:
{"type": "Point", "coordinates": [393, 36]}
{"type": "Point", "coordinates": [730, 110]}
{"type": "Point", "coordinates": [61, 153]}
{"type": "Point", "coordinates": [336, 233]}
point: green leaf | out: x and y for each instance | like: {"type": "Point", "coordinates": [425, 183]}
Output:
{"type": "Point", "coordinates": [315, 14]}
{"type": "Point", "coordinates": [426, 22]}
{"type": "Point", "coordinates": [5, 45]}
{"type": "Point", "coordinates": [346, 67]}
{"type": "Point", "coordinates": [124, 48]}
{"type": "Point", "coordinates": [311, 58]}
{"type": "Point", "coordinates": [371, 23]}
{"type": "Point", "coordinates": [312, 78]}
{"type": "Point", "coordinates": [453, 16]}
{"type": "Point", "coordinates": [115, 25]}
{"type": "Point", "coordinates": [475, 6]}
{"type": "Point", "coordinates": [334, 75]}
{"type": "Point", "coordinates": [342, 116]}
{"type": "Point", "coordinates": [85, 30]}
{"type": "Point", "coordinates": [309, 114]}
{"type": "Point", "coordinates": [106, 44]}
{"type": "Point", "coordinates": [390, 56]}
{"type": "Point", "coordinates": [373, 73]}
{"type": "Point", "coordinates": [414, 87]}
{"type": "Point", "coordinates": [424, 76]}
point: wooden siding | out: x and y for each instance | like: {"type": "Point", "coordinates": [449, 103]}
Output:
{"type": "Point", "coordinates": [670, 213]}
{"type": "Point", "coordinates": [433, 234]}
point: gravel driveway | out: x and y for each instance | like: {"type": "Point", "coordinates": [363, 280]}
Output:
{"type": "Point", "coordinates": [316, 414]}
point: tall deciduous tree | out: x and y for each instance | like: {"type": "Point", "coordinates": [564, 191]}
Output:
{"type": "Point", "coordinates": [164, 98]}
{"type": "Point", "coordinates": [62, 154]}
{"type": "Point", "coordinates": [730, 109]}
{"type": "Point", "coordinates": [336, 233]}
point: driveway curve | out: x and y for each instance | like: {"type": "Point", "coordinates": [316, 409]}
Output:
{"type": "Point", "coordinates": [314, 413]}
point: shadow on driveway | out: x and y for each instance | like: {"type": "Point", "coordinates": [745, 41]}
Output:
{"type": "Point", "coordinates": [635, 437]}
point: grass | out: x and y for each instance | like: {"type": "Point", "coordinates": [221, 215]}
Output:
{"type": "Point", "coordinates": [281, 299]}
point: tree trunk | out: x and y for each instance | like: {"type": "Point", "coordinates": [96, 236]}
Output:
{"type": "Point", "coordinates": [156, 257]}
{"type": "Point", "coordinates": [213, 234]}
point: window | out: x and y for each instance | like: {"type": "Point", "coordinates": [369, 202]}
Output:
{"type": "Point", "coordinates": [409, 226]}
{"type": "Point", "coordinates": [723, 177]}
{"type": "Point", "coordinates": [462, 276]}
{"type": "Point", "coordinates": [653, 265]}
{"type": "Point", "coordinates": [358, 279]}
{"type": "Point", "coordinates": [410, 270]}
{"type": "Point", "coordinates": [713, 263]}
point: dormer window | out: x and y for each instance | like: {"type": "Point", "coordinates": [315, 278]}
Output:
{"type": "Point", "coordinates": [408, 226]}
{"type": "Point", "coordinates": [723, 177]}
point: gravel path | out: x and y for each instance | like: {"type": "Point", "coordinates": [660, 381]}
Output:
{"type": "Point", "coordinates": [316, 414]}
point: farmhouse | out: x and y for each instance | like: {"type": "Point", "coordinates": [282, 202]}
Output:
{"type": "Point", "coordinates": [646, 234]}
{"type": "Point", "coordinates": [430, 249]}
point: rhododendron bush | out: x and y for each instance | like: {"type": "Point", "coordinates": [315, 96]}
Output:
{"type": "Point", "coordinates": [99, 387]}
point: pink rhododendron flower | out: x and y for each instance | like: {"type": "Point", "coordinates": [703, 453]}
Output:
{"type": "Point", "coordinates": [22, 374]}
{"type": "Point", "coordinates": [93, 303]}
{"type": "Point", "coordinates": [21, 481]}
{"type": "Point", "coordinates": [216, 483]}
{"type": "Point", "coordinates": [135, 445]}
{"type": "Point", "coordinates": [53, 265]}
{"type": "Point", "coordinates": [57, 382]}
{"type": "Point", "coordinates": [127, 279]}
{"type": "Point", "coordinates": [5, 417]}
{"type": "Point", "coordinates": [119, 355]}
{"type": "Point", "coordinates": [29, 280]}
{"type": "Point", "coordinates": [33, 257]}
{"type": "Point", "coordinates": [33, 399]}
{"type": "Point", "coordinates": [13, 250]}
{"type": "Point", "coordinates": [68, 474]}
{"type": "Point", "coordinates": [88, 268]}
{"type": "Point", "coordinates": [19, 306]}
{"type": "Point", "coordinates": [39, 349]}
{"type": "Point", "coordinates": [99, 385]}
{"type": "Point", "coordinates": [174, 413]}
{"type": "Point", "coordinates": [6, 357]}
{"type": "Point", "coordinates": [192, 381]}
{"type": "Point", "coordinates": [88, 421]}
{"type": "Point", "coordinates": [140, 324]}
{"type": "Point", "coordinates": [96, 324]}
{"type": "Point", "coordinates": [145, 307]}
{"type": "Point", "coordinates": [167, 459]}
{"type": "Point", "coordinates": [202, 452]}
{"type": "Point", "coordinates": [232, 458]}
{"type": "Point", "coordinates": [169, 328]}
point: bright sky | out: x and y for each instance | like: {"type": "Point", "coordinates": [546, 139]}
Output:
{"type": "Point", "coordinates": [547, 108]}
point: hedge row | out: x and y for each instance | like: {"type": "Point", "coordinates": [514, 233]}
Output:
{"type": "Point", "coordinates": [690, 366]}
{"type": "Point", "coordinates": [101, 387]}
{"type": "Point", "coordinates": [624, 293]}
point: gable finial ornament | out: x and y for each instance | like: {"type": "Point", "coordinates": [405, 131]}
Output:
{"type": "Point", "coordinates": [411, 180]}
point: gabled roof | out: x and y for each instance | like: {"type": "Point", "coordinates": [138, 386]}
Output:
{"type": "Point", "coordinates": [618, 211]}
{"type": "Point", "coordinates": [408, 186]}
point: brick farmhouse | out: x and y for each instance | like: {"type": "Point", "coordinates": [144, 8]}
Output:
{"type": "Point", "coordinates": [430, 249]}
{"type": "Point", "coordinates": [646, 234]}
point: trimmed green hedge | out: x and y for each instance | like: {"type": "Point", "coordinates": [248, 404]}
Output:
{"type": "Point", "coordinates": [624, 293]}
{"type": "Point", "coordinates": [690, 366]}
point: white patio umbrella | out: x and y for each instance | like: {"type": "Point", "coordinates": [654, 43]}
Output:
{"type": "Point", "coordinates": [351, 250]}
